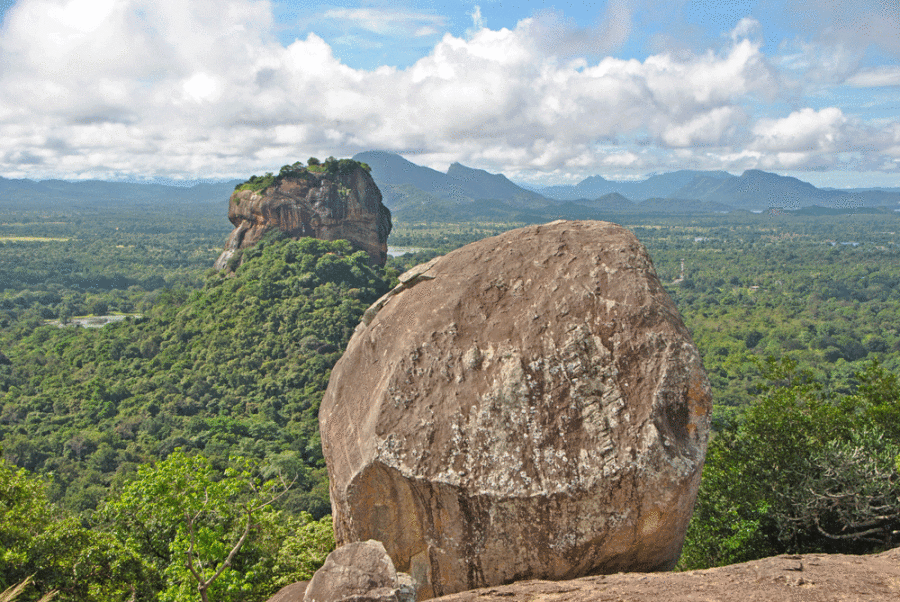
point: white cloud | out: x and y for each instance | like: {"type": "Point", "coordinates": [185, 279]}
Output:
{"type": "Point", "coordinates": [822, 139]}
{"type": "Point", "coordinates": [707, 129]}
{"type": "Point", "coordinates": [478, 21]}
{"type": "Point", "coordinates": [555, 34]}
{"type": "Point", "coordinates": [616, 24]}
{"type": "Point", "coordinates": [204, 89]}
{"type": "Point", "coordinates": [385, 21]}
{"type": "Point", "coordinates": [853, 23]}
{"type": "Point", "coordinates": [879, 76]}
{"type": "Point", "coordinates": [744, 28]}
{"type": "Point", "coordinates": [804, 130]}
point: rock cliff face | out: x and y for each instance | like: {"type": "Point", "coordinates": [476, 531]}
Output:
{"type": "Point", "coordinates": [331, 206]}
{"type": "Point", "coordinates": [528, 406]}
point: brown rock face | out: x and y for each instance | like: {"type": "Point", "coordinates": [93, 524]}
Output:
{"type": "Point", "coordinates": [357, 572]}
{"type": "Point", "coordinates": [530, 406]}
{"type": "Point", "coordinates": [328, 206]}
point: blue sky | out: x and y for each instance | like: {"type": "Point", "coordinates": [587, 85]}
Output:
{"type": "Point", "coordinates": [545, 92]}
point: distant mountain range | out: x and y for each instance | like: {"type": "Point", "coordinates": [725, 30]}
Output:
{"type": "Point", "coordinates": [417, 193]}
{"type": "Point", "coordinates": [96, 193]}
{"type": "Point", "coordinates": [657, 186]}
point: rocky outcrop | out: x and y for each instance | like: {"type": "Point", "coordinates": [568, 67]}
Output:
{"type": "Point", "coordinates": [530, 406]}
{"type": "Point", "coordinates": [799, 578]}
{"type": "Point", "coordinates": [358, 572]}
{"type": "Point", "coordinates": [333, 205]}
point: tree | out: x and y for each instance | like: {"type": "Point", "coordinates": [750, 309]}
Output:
{"type": "Point", "coordinates": [37, 540]}
{"type": "Point", "coordinates": [12, 593]}
{"type": "Point", "coordinates": [878, 395]}
{"type": "Point", "coordinates": [851, 497]}
{"type": "Point", "coordinates": [800, 472]}
{"type": "Point", "coordinates": [212, 535]}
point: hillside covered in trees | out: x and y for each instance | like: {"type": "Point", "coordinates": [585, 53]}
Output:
{"type": "Point", "coordinates": [238, 366]}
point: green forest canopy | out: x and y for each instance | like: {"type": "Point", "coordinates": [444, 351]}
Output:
{"type": "Point", "coordinates": [331, 166]}
{"type": "Point", "coordinates": [238, 366]}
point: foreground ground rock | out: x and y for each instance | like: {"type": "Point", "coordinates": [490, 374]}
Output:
{"type": "Point", "coordinates": [800, 578]}
{"type": "Point", "coordinates": [530, 406]}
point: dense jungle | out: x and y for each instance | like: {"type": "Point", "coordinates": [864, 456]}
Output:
{"type": "Point", "coordinates": [212, 383]}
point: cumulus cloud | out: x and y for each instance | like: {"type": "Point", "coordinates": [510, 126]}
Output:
{"type": "Point", "coordinates": [205, 89]}
{"type": "Point", "coordinates": [712, 128]}
{"type": "Point", "coordinates": [802, 131]}
{"type": "Point", "coordinates": [822, 139]}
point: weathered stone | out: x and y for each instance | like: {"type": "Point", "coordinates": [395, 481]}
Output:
{"type": "Point", "coordinates": [528, 406]}
{"type": "Point", "coordinates": [795, 577]}
{"type": "Point", "coordinates": [290, 593]}
{"type": "Point", "coordinates": [328, 206]}
{"type": "Point", "coordinates": [357, 572]}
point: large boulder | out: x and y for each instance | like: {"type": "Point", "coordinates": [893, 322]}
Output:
{"type": "Point", "coordinates": [341, 204]}
{"type": "Point", "coordinates": [529, 406]}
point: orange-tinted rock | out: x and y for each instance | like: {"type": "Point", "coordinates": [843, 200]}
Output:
{"type": "Point", "coordinates": [358, 572]}
{"type": "Point", "coordinates": [338, 206]}
{"type": "Point", "coordinates": [529, 406]}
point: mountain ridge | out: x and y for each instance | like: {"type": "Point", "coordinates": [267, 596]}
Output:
{"type": "Point", "coordinates": [415, 192]}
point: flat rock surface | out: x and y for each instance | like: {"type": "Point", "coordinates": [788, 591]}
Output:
{"type": "Point", "coordinates": [801, 578]}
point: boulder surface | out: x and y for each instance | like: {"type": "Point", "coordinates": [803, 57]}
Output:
{"type": "Point", "coordinates": [529, 406]}
{"type": "Point", "coordinates": [329, 206]}
{"type": "Point", "coordinates": [358, 572]}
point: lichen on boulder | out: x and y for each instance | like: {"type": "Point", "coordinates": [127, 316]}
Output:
{"type": "Point", "coordinates": [529, 406]}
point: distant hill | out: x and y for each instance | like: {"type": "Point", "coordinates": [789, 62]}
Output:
{"type": "Point", "coordinates": [872, 189]}
{"type": "Point", "coordinates": [415, 193]}
{"type": "Point", "coordinates": [589, 188]}
{"type": "Point", "coordinates": [460, 185]}
{"type": "Point", "coordinates": [480, 184]}
{"type": "Point", "coordinates": [58, 193]}
{"type": "Point", "coordinates": [660, 186]}
{"type": "Point", "coordinates": [752, 190]}
{"type": "Point", "coordinates": [612, 202]}
{"type": "Point", "coordinates": [682, 206]}
{"type": "Point", "coordinates": [756, 189]}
